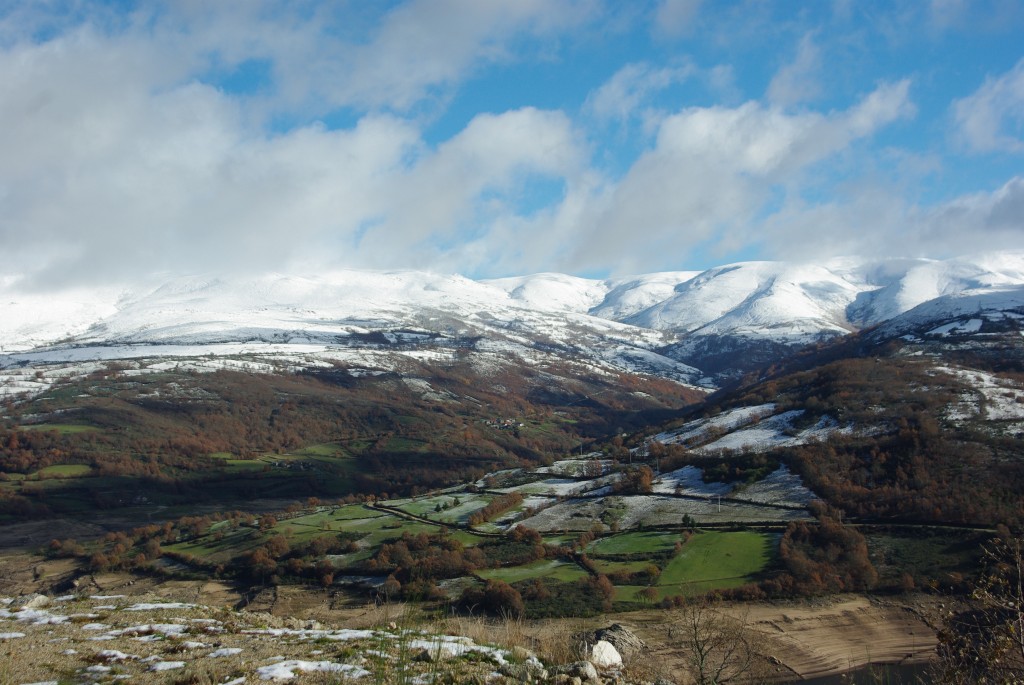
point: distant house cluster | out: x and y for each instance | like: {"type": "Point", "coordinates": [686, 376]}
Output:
{"type": "Point", "coordinates": [504, 424]}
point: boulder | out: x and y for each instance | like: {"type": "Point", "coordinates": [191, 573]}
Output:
{"type": "Point", "coordinates": [566, 679]}
{"type": "Point", "coordinates": [623, 639]}
{"type": "Point", "coordinates": [33, 601]}
{"type": "Point", "coordinates": [604, 655]}
{"type": "Point", "coordinates": [583, 670]}
{"type": "Point", "coordinates": [526, 672]}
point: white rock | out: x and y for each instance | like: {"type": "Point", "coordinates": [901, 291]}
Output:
{"type": "Point", "coordinates": [33, 601]}
{"type": "Point", "coordinates": [604, 655]}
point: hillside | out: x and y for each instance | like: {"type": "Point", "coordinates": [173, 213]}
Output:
{"type": "Point", "coordinates": [512, 463]}
{"type": "Point", "coordinates": [919, 419]}
{"type": "Point", "coordinates": [691, 327]}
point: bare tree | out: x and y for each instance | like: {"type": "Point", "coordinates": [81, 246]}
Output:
{"type": "Point", "coordinates": [985, 643]}
{"type": "Point", "coordinates": [720, 648]}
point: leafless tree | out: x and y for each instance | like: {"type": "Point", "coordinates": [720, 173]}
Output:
{"type": "Point", "coordinates": [720, 648]}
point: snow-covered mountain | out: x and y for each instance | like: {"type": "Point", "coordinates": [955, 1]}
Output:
{"type": "Point", "coordinates": [663, 323]}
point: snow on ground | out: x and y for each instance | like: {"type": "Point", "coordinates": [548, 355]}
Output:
{"type": "Point", "coordinates": [425, 390]}
{"type": "Point", "coordinates": [767, 434]}
{"type": "Point", "coordinates": [562, 487]}
{"type": "Point", "coordinates": [781, 487]}
{"type": "Point", "coordinates": [241, 644]}
{"type": "Point", "coordinates": [957, 327]}
{"type": "Point", "coordinates": [996, 399]}
{"type": "Point", "coordinates": [726, 421]}
{"type": "Point", "coordinates": [159, 606]}
{"type": "Point", "coordinates": [497, 477]}
{"type": "Point", "coordinates": [750, 429]}
{"type": "Point", "coordinates": [776, 431]}
{"type": "Point", "coordinates": [535, 502]}
{"type": "Point", "coordinates": [166, 665]}
{"type": "Point", "coordinates": [636, 359]}
{"type": "Point", "coordinates": [688, 481]}
{"type": "Point", "coordinates": [286, 670]}
{"type": "Point", "coordinates": [32, 374]}
{"type": "Point", "coordinates": [651, 510]}
{"type": "Point", "coordinates": [577, 468]}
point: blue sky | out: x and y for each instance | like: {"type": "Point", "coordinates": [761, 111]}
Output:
{"type": "Point", "coordinates": [500, 137]}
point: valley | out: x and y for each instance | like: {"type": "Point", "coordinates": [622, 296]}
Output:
{"type": "Point", "coordinates": [530, 465]}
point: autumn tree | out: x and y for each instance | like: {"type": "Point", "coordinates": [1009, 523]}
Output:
{"type": "Point", "coordinates": [278, 546]}
{"type": "Point", "coordinates": [497, 598]}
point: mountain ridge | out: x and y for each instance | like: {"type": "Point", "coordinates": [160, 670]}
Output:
{"type": "Point", "coordinates": [668, 323]}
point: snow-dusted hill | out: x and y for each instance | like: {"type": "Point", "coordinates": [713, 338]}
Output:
{"type": "Point", "coordinates": [781, 301]}
{"type": "Point", "coordinates": [653, 322]}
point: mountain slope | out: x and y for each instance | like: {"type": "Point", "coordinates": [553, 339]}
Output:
{"type": "Point", "coordinates": [687, 326]}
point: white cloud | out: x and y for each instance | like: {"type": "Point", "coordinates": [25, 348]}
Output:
{"type": "Point", "coordinates": [625, 92]}
{"type": "Point", "coordinates": [947, 13]}
{"type": "Point", "coordinates": [325, 56]}
{"type": "Point", "coordinates": [426, 45]}
{"type": "Point", "coordinates": [675, 17]}
{"type": "Point", "coordinates": [459, 192]}
{"type": "Point", "coordinates": [711, 173]}
{"type": "Point", "coordinates": [797, 81]}
{"type": "Point", "coordinates": [872, 220]}
{"type": "Point", "coordinates": [124, 155]}
{"type": "Point", "coordinates": [992, 118]}
{"type": "Point", "coordinates": [118, 161]}
{"type": "Point", "coordinates": [103, 177]}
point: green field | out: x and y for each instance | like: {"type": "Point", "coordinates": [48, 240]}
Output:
{"type": "Point", "coordinates": [427, 507]}
{"type": "Point", "coordinates": [64, 471]}
{"type": "Point", "coordinates": [223, 543]}
{"type": "Point", "coordinates": [244, 465]}
{"type": "Point", "coordinates": [634, 543]}
{"type": "Point", "coordinates": [710, 561]}
{"type": "Point", "coordinates": [608, 567]}
{"type": "Point", "coordinates": [329, 462]}
{"type": "Point", "coordinates": [722, 559]}
{"type": "Point", "coordinates": [545, 568]}
{"type": "Point", "coordinates": [63, 428]}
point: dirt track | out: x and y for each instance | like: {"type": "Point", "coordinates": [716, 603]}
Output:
{"type": "Point", "coordinates": [849, 632]}
{"type": "Point", "coordinates": [820, 637]}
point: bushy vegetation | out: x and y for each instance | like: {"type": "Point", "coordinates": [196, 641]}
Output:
{"type": "Point", "coordinates": [231, 436]}
{"type": "Point", "coordinates": [903, 460]}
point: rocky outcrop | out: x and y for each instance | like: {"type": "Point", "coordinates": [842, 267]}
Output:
{"type": "Point", "coordinates": [624, 641]}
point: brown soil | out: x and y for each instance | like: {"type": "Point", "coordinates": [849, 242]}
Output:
{"type": "Point", "coordinates": [811, 638]}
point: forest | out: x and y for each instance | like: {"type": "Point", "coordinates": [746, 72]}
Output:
{"type": "Point", "coordinates": [235, 435]}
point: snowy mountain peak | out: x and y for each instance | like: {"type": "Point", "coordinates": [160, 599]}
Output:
{"type": "Point", "coordinates": [780, 302]}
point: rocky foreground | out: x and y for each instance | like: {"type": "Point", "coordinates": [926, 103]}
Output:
{"type": "Point", "coordinates": [111, 638]}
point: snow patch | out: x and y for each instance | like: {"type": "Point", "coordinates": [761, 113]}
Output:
{"type": "Point", "coordinates": [285, 670]}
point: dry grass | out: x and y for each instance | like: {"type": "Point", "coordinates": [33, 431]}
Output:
{"type": "Point", "coordinates": [69, 652]}
{"type": "Point", "coordinates": [551, 641]}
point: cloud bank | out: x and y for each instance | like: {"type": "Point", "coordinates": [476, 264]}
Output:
{"type": "Point", "coordinates": [476, 138]}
